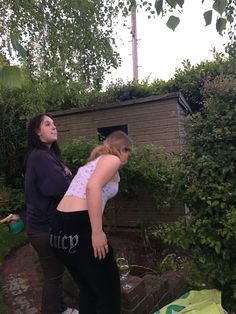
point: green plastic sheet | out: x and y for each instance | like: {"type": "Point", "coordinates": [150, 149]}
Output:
{"type": "Point", "coordinates": [206, 301]}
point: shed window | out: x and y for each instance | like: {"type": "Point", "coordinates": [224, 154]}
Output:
{"type": "Point", "coordinates": [104, 132]}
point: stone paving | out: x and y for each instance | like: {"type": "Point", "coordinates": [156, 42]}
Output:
{"type": "Point", "coordinates": [20, 283]}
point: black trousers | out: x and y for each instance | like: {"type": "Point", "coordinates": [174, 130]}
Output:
{"type": "Point", "coordinates": [53, 269]}
{"type": "Point", "coordinates": [98, 280]}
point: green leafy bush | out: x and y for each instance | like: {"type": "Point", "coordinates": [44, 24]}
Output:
{"type": "Point", "coordinates": [152, 170]}
{"type": "Point", "coordinates": [16, 106]}
{"type": "Point", "coordinates": [149, 169]}
{"type": "Point", "coordinates": [76, 153]}
{"type": "Point", "coordinates": [208, 182]}
{"type": "Point", "coordinates": [16, 201]}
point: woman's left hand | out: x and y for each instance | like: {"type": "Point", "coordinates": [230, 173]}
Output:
{"type": "Point", "coordinates": [67, 171]}
{"type": "Point", "coordinates": [100, 246]}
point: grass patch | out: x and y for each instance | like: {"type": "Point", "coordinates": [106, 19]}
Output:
{"type": "Point", "coordinates": [8, 242]}
{"type": "Point", "coordinates": [3, 308]}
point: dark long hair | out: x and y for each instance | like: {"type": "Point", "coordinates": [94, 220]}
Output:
{"type": "Point", "coordinates": [34, 141]}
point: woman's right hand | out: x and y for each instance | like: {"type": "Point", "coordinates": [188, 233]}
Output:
{"type": "Point", "coordinates": [100, 246]}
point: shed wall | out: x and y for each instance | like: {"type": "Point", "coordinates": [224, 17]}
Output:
{"type": "Point", "coordinates": [158, 122]}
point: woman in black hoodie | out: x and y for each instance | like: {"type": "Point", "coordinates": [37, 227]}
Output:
{"type": "Point", "coordinates": [46, 181]}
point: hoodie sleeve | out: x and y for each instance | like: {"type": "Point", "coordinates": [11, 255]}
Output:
{"type": "Point", "coordinates": [50, 175]}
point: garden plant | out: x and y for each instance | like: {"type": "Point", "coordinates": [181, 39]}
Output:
{"type": "Point", "coordinates": [207, 184]}
{"type": "Point", "coordinates": [203, 176]}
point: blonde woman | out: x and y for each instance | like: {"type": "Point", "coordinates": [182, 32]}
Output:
{"type": "Point", "coordinates": [77, 235]}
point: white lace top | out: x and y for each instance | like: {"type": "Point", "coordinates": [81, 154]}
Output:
{"type": "Point", "coordinates": [79, 183]}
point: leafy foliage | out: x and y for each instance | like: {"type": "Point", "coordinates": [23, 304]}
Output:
{"type": "Point", "coordinates": [231, 46]}
{"type": "Point", "coordinates": [204, 179]}
{"type": "Point", "coordinates": [60, 39]}
{"type": "Point", "coordinates": [208, 184]}
{"type": "Point", "coordinates": [173, 22]}
{"type": "Point", "coordinates": [16, 106]}
{"type": "Point", "coordinates": [223, 8]}
{"type": "Point", "coordinates": [171, 262]}
{"type": "Point", "coordinates": [148, 169]}
{"type": "Point", "coordinates": [190, 80]}
{"type": "Point", "coordinates": [74, 41]}
{"type": "Point", "coordinates": [15, 198]}
{"type": "Point", "coordinates": [76, 153]}
{"type": "Point", "coordinates": [12, 76]}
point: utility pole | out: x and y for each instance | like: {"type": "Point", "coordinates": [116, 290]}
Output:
{"type": "Point", "coordinates": [134, 43]}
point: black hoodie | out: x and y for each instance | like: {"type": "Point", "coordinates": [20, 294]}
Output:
{"type": "Point", "coordinates": [46, 181]}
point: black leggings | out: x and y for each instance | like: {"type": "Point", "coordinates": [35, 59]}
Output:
{"type": "Point", "coordinates": [98, 280]}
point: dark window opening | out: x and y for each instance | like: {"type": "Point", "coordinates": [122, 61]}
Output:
{"type": "Point", "coordinates": [104, 132]}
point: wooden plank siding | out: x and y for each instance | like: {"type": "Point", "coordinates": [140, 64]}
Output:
{"type": "Point", "coordinates": [154, 120]}
{"type": "Point", "coordinates": [139, 211]}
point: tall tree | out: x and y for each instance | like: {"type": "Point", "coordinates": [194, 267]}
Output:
{"type": "Point", "coordinates": [60, 38]}
{"type": "Point", "coordinates": [74, 40]}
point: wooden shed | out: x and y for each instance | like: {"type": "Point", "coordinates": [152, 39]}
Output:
{"type": "Point", "coordinates": [154, 120]}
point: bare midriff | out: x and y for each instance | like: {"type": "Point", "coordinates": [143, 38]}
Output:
{"type": "Point", "coordinates": [71, 203]}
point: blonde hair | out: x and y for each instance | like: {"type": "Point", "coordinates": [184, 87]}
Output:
{"type": "Point", "coordinates": [112, 145]}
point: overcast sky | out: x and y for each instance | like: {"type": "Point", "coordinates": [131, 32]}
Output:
{"type": "Point", "coordinates": [161, 50]}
